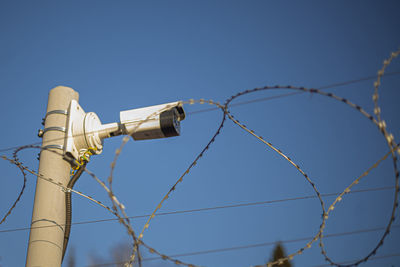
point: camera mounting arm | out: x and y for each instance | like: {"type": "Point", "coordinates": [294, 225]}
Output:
{"type": "Point", "coordinates": [85, 132]}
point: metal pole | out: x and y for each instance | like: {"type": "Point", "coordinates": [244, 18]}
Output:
{"type": "Point", "coordinates": [45, 246]}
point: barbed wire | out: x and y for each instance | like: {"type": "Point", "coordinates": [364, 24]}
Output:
{"type": "Point", "coordinates": [324, 215]}
{"type": "Point", "coordinates": [118, 209]}
{"type": "Point", "coordinates": [393, 148]}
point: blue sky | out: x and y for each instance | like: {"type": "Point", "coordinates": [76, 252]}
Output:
{"type": "Point", "coordinates": [129, 54]}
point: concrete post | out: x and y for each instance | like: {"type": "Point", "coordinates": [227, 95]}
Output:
{"type": "Point", "coordinates": [45, 246]}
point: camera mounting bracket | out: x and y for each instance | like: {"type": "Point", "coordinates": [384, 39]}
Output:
{"type": "Point", "coordinates": [82, 132]}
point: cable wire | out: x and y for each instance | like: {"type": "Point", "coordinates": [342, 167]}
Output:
{"type": "Point", "coordinates": [68, 206]}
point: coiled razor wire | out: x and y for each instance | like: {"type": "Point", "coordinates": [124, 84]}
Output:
{"type": "Point", "coordinates": [393, 148]}
{"type": "Point", "coordinates": [325, 214]}
{"type": "Point", "coordinates": [118, 209]}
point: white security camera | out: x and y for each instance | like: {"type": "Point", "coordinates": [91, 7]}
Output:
{"type": "Point", "coordinates": [85, 131]}
{"type": "Point", "coordinates": [153, 122]}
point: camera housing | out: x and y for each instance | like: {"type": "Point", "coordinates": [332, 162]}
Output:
{"type": "Point", "coordinates": [153, 122]}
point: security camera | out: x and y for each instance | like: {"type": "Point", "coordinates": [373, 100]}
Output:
{"type": "Point", "coordinates": [85, 131]}
{"type": "Point", "coordinates": [153, 122]}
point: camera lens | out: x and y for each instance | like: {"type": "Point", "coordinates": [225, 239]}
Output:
{"type": "Point", "coordinates": [169, 123]}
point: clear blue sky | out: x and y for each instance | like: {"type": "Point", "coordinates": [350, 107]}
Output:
{"type": "Point", "coordinates": [126, 54]}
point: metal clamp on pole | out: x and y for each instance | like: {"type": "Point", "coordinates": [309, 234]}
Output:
{"type": "Point", "coordinates": [55, 128]}
{"type": "Point", "coordinates": [56, 111]}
